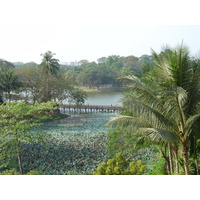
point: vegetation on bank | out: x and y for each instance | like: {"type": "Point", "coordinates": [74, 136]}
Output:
{"type": "Point", "coordinates": [15, 122]}
{"type": "Point", "coordinates": [71, 145]}
{"type": "Point", "coordinates": [107, 71]}
{"type": "Point", "coordinates": [38, 83]}
{"type": "Point", "coordinates": [120, 166]}
{"type": "Point", "coordinates": [51, 81]}
{"type": "Point", "coordinates": [160, 117]}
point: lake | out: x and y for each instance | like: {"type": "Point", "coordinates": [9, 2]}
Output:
{"type": "Point", "coordinates": [104, 98]}
{"type": "Point", "coordinates": [76, 144]}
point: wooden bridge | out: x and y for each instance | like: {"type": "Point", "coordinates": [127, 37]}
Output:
{"type": "Point", "coordinates": [89, 108]}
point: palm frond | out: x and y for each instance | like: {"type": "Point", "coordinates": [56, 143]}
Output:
{"type": "Point", "coordinates": [162, 67]}
{"type": "Point", "coordinates": [154, 117]}
{"type": "Point", "coordinates": [125, 121]}
{"type": "Point", "coordinates": [141, 91]}
{"type": "Point", "coordinates": [193, 89]}
{"type": "Point", "coordinates": [175, 104]}
{"type": "Point", "coordinates": [157, 134]}
{"type": "Point", "coordinates": [190, 124]}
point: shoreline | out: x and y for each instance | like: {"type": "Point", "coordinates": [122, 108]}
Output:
{"type": "Point", "coordinates": [108, 89]}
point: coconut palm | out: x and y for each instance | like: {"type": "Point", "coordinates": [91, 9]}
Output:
{"type": "Point", "coordinates": [167, 109]}
{"type": "Point", "coordinates": [50, 67]}
{"type": "Point", "coordinates": [50, 64]}
{"type": "Point", "coordinates": [8, 81]}
{"type": "Point", "coordinates": [180, 74]}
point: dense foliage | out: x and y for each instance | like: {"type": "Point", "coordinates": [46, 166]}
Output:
{"type": "Point", "coordinates": [108, 70]}
{"type": "Point", "coordinates": [164, 109]}
{"type": "Point", "coordinates": [160, 116]}
{"type": "Point", "coordinates": [38, 83]}
{"type": "Point", "coordinates": [125, 141]}
{"type": "Point", "coordinates": [120, 166]}
{"type": "Point", "coordinates": [8, 80]}
{"type": "Point", "coordinates": [72, 145]}
{"type": "Point", "coordinates": [16, 119]}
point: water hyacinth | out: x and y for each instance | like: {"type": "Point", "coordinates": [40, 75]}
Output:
{"type": "Point", "coordinates": [76, 145]}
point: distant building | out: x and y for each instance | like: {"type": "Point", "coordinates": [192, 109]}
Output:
{"type": "Point", "coordinates": [73, 63]}
{"type": "Point", "coordinates": [18, 63]}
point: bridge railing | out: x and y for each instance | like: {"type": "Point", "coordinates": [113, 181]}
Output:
{"type": "Point", "coordinates": [91, 107]}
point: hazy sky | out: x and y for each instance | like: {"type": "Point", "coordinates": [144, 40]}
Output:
{"type": "Point", "coordinates": [90, 29]}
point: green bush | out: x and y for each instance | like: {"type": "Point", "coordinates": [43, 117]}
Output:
{"type": "Point", "coordinates": [10, 172]}
{"type": "Point", "coordinates": [14, 172]}
{"type": "Point", "coordinates": [120, 166]}
{"type": "Point", "coordinates": [33, 172]}
{"type": "Point", "coordinates": [158, 167]}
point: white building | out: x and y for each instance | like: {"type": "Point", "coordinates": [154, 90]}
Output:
{"type": "Point", "coordinates": [72, 63]}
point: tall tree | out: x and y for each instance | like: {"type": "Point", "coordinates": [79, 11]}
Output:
{"type": "Point", "coordinates": [101, 60]}
{"type": "Point", "coordinates": [168, 112]}
{"type": "Point", "coordinates": [15, 122]}
{"type": "Point", "coordinates": [49, 64]}
{"type": "Point", "coordinates": [8, 80]}
{"type": "Point", "coordinates": [82, 62]}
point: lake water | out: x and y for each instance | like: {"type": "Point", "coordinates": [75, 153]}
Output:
{"type": "Point", "coordinates": [77, 144]}
{"type": "Point", "coordinates": [104, 98]}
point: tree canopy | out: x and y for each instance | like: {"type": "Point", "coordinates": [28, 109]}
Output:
{"type": "Point", "coordinates": [166, 107]}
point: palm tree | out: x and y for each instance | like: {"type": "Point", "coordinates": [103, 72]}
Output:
{"type": "Point", "coordinates": [180, 73]}
{"type": "Point", "coordinates": [50, 66]}
{"type": "Point", "coordinates": [8, 81]}
{"type": "Point", "coordinates": [167, 109]}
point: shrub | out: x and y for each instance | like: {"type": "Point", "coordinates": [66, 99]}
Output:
{"type": "Point", "coordinates": [10, 172]}
{"type": "Point", "coordinates": [159, 168]}
{"type": "Point", "coordinates": [120, 166]}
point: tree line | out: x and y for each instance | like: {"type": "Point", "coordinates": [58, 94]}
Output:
{"type": "Point", "coordinates": [51, 81]}
{"type": "Point", "coordinates": [108, 70]}
{"type": "Point", "coordinates": [37, 83]}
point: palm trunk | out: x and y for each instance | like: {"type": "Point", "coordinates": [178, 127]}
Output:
{"type": "Point", "coordinates": [48, 96]}
{"type": "Point", "coordinates": [185, 158]}
{"type": "Point", "coordinates": [196, 165]}
{"type": "Point", "coordinates": [176, 162]}
{"type": "Point", "coordinates": [195, 157]}
{"type": "Point", "coordinates": [167, 161]}
{"type": "Point", "coordinates": [171, 159]}
{"type": "Point", "coordinates": [9, 96]}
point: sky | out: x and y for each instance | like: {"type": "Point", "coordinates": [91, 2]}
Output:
{"type": "Point", "coordinates": [90, 29]}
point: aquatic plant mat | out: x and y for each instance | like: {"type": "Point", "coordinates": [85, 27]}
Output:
{"type": "Point", "coordinates": [76, 145]}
